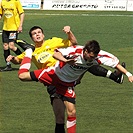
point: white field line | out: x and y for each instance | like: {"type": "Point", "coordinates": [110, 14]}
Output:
{"type": "Point", "coordinates": [0, 32]}
{"type": "Point", "coordinates": [104, 15]}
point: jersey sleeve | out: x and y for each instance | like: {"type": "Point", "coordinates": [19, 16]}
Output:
{"type": "Point", "coordinates": [66, 43]}
{"type": "Point", "coordinates": [60, 43]}
{"type": "Point", "coordinates": [107, 59]}
{"type": "Point", "coordinates": [19, 7]}
{"type": "Point", "coordinates": [66, 51]}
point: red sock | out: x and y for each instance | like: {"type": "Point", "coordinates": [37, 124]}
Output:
{"type": "Point", "coordinates": [26, 62]}
{"type": "Point", "coordinates": [25, 65]}
{"type": "Point", "coordinates": [71, 124]}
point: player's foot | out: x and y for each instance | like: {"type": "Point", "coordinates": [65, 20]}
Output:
{"type": "Point", "coordinates": [24, 45]}
{"type": "Point", "coordinates": [120, 76]}
{"type": "Point", "coordinates": [7, 68]}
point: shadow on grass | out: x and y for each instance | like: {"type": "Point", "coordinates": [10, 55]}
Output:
{"type": "Point", "coordinates": [13, 69]}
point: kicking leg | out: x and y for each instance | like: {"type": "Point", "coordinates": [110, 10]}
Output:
{"type": "Point", "coordinates": [101, 71]}
{"type": "Point", "coordinates": [23, 72]}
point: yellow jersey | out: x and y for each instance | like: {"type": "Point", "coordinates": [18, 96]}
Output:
{"type": "Point", "coordinates": [42, 56]}
{"type": "Point", "coordinates": [11, 10]}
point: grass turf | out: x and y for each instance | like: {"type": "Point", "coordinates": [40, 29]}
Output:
{"type": "Point", "coordinates": [102, 105]}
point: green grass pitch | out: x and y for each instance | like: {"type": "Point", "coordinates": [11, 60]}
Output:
{"type": "Point", "coordinates": [102, 105]}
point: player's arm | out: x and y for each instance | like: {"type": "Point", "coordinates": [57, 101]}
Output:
{"type": "Point", "coordinates": [58, 56]}
{"type": "Point", "coordinates": [20, 28]}
{"type": "Point", "coordinates": [21, 15]}
{"type": "Point", "coordinates": [1, 14]}
{"type": "Point", "coordinates": [13, 59]}
{"type": "Point", "coordinates": [70, 34]}
{"type": "Point", "coordinates": [1, 10]}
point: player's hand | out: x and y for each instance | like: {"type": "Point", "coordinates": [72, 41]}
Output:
{"type": "Point", "coordinates": [66, 29]}
{"type": "Point", "coordinates": [71, 61]}
{"type": "Point", "coordinates": [130, 79]}
{"type": "Point", "coordinates": [9, 58]}
{"type": "Point", "coordinates": [20, 29]}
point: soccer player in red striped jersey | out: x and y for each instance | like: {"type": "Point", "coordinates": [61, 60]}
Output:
{"type": "Point", "coordinates": [65, 72]}
{"type": "Point", "coordinates": [42, 47]}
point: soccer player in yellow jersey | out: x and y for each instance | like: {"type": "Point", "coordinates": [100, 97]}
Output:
{"type": "Point", "coordinates": [44, 49]}
{"type": "Point", "coordinates": [42, 58]}
{"type": "Point", "coordinates": [13, 17]}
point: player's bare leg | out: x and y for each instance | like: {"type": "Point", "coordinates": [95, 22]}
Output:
{"type": "Point", "coordinates": [71, 117]}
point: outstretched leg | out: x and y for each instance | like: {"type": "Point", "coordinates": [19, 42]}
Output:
{"type": "Point", "coordinates": [23, 72]}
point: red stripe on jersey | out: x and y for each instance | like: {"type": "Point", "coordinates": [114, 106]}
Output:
{"type": "Point", "coordinates": [61, 64]}
{"type": "Point", "coordinates": [74, 46]}
{"type": "Point", "coordinates": [101, 56]}
{"type": "Point", "coordinates": [76, 51]}
{"type": "Point", "coordinates": [104, 55]}
{"type": "Point", "coordinates": [99, 62]}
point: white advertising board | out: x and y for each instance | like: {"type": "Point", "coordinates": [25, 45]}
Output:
{"type": "Point", "coordinates": [31, 4]}
{"type": "Point", "coordinates": [130, 5]}
{"type": "Point", "coordinates": [115, 5]}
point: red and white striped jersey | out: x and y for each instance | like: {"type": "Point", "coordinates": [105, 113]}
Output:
{"type": "Point", "coordinates": [70, 73]}
{"type": "Point", "coordinates": [107, 59]}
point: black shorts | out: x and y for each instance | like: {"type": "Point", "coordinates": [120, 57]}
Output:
{"type": "Point", "coordinates": [9, 36]}
{"type": "Point", "coordinates": [52, 92]}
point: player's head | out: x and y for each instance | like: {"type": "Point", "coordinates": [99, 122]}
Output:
{"type": "Point", "coordinates": [91, 50]}
{"type": "Point", "coordinates": [34, 28]}
{"type": "Point", "coordinates": [37, 35]}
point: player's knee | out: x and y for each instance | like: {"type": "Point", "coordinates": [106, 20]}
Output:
{"type": "Point", "coordinates": [5, 46]}
{"type": "Point", "coordinates": [12, 46]}
{"type": "Point", "coordinates": [72, 113]}
{"type": "Point", "coordinates": [21, 77]}
{"type": "Point", "coordinates": [60, 119]}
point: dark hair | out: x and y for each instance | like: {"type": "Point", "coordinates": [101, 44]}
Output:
{"type": "Point", "coordinates": [34, 28]}
{"type": "Point", "coordinates": [92, 46]}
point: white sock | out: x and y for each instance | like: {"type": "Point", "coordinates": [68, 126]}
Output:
{"type": "Point", "coordinates": [28, 52]}
{"type": "Point", "coordinates": [108, 74]}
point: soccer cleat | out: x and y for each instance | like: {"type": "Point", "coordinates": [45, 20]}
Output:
{"type": "Point", "coordinates": [7, 68]}
{"type": "Point", "coordinates": [24, 45]}
{"type": "Point", "coordinates": [120, 76]}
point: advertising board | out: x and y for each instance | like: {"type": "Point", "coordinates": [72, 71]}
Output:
{"type": "Point", "coordinates": [130, 5]}
{"type": "Point", "coordinates": [31, 4]}
{"type": "Point", "coordinates": [114, 5]}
